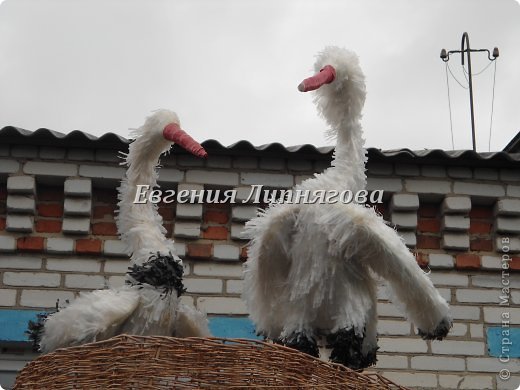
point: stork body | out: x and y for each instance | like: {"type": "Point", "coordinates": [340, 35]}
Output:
{"type": "Point", "coordinates": [149, 303]}
{"type": "Point", "coordinates": [309, 274]}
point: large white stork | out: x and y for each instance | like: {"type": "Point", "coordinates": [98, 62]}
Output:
{"type": "Point", "coordinates": [309, 275]}
{"type": "Point", "coordinates": [149, 303]}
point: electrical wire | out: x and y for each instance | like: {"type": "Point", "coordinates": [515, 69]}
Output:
{"type": "Point", "coordinates": [452, 75]}
{"type": "Point", "coordinates": [449, 107]}
{"type": "Point", "coordinates": [476, 74]}
{"type": "Point", "coordinates": [492, 106]}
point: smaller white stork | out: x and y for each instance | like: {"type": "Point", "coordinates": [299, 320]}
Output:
{"type": "Point", "coordinates": [149, 303]}
{"type": "Point", "coordinates": [309, 273]}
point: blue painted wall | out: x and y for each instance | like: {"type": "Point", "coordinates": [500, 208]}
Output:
{"type": "Point", "coordinates": [232, 327]}
{"type": "Point", "coordinates": [13, 324]}
{"type": "Point", "coordinates": [496, 340]}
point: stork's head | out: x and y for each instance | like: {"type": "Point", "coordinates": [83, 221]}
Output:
{"type": "Point", "coordinates": [339, 84]}
{"type": "Point", "coordinates": [160, 131]}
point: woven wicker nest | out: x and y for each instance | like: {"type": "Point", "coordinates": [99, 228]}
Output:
{"type": "Point", "coordinates": [144, 362]}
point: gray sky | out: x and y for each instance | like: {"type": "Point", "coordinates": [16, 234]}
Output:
{"type": "Point", "coordinates": [230, 68]}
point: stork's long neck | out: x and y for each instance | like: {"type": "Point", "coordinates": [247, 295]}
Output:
{"type": "Point", "coordinates": [348, 164]}
{"type": "Point", "coordinates": [139, 224]}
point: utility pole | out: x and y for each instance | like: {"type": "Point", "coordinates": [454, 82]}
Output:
{"type": "Point", "coordinates": [445, 56]}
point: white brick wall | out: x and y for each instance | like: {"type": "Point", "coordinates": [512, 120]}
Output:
{"type": "Point", "coordinates": [449, 279]}
{"type": "Point", "coordinates": [58, 245]}
{"type": "Point", "coordinates": [272, 163]}
{"type": "Point", "coordinates": [116, 281]}
{"type": "Point", "coordinates": [494, 280]}
{"type": "Point", "coordinates": [507, 207]}
{"type": "Point", "coordinates": [438, 363]}
{"type": "Point", "coordinates": [189, 211]}
{"type": "Point", "coordinates": [45, 298]}
{"type": "Point", "coordinates": [243, 213]}
{"type": "Point", "coordinates": [406, 169]}
{"type": "Point", "coordinates": [274, 179]}
{"type": "Point", "coordinates": [7, 297]}
{"type": "Point", "coordinates": [77, 206]}
{"type": "Point", "coordinates": [114, 248]}
{"type": "Point", "coordinates": [218, 162]}
{"type": "Point", "coordinates": [455, 222]}
{"type": "Point", "coordinates": [493, 365]}
{"type": "Point", "coordinates": [221, 305]}
{"type": "Point", "coordinates": [513, 191]}
{"type": "Point", "coordinates": [383, 183]}
{"type": "Point", "coordinates": [169, 175]}
{"type": "Point", "coordinates": [212, 177]}
{"type": "Point", "coordinates": [478, 296]}
{"type": "Point", "coordinates": [479, 189]}
{"type": "Point", "coordinates": [7, 244]}
{"type": "Point", "coordinates": [404, 202]}
{"type": "Point", "coordinates": [428, 186]}
{"type": "Point", "coordinates": [455, 241]}
{"type": "Point", "coordinates": [495, 315]}
{"type": "Point", "coordinates": [50, 169]}
{"type": "Point", "coordinates": [36, 282]}
{"type": "Point", "coordinates": [209, 286]}
{"type": "Point", "coordinates": [485, 173]}
{"type": "Point", "coordinates": [237, 231]}
{"type": "Point", "coordinates": [458, 329]}
{"type": "Point", "coordinates": [456, 204]}
{"type": "Point", "coordinates": [78, 187]}
{"type": "Point", "coordinates": [36, 279]}
{"type": "Point", "coordinates": [389, 327]}
{"type": "Point", "coordinates": [465, 312]}
{"type": "Point", "coordinates": [101, 171]}
{"type": "Point", "coordinates": [80, 154]}
{"type": "Point", "coordinates": [491, 263]}
{"type": "Point", "coordinates": [9, 166]}
{"type": "Point", "coordinates": [50, 153]}
{"type": "Point", "coordinates": [19, 262]}
{"type": "Point", "coordinates": [76, 225]}
{"type": "Point", "coordinates": [24, 151]}
{"type": "Point", "coordinates": [404, 219]}
{"type": "Point", "coordinates": [180, 249]}
{"type": "Point", "coordinates": [441, 261]}
{"type": "Point", "coordinates": [21, 185]}
{"type": "Point", "coordinates": [506, 224]}
{"type": "Point", "coordinates": [226, 252]}
{"type": "Point", "coordinates": [117, 266]}
{"type": "Point", "coordinates": [476, 331]}
{"type": "Point", "coordinates": [218, 269]}
{"type": "Point", "coordinates": [420, 380]}
{"type": "Point", "coordinates": [91, 282]}
{"type": "Point", "coordinates": [402, 344]}
{"type": "Point", "coordinates": [472, 382]}
{"type": "Point", "coordinates": [454, 347]}
{"type": "Point", "coordinates": [19, 223]}
{"type": "Point", "coordinates": [391, 361]}
{"type": "Point", "coordinates": [21, 204]}
{"type": "Point", "coordinates": [433, 171]}
{"type": "Point", "coordinates": [234, 286]}
{"type": "Point", "coordinates": [186, 229]}
{"type": "Point", "coordinates": [388, 310]}
{"type": "Point", "coordinates": [74, 265]}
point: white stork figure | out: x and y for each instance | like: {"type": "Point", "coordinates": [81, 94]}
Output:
{"type": "Point", "coordinates": [149, 304]}
{"type": "Point", "coordinates": [309, 276]}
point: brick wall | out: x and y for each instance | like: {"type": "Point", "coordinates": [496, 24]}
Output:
{"type": "Point", "coordinates": [58, 237]}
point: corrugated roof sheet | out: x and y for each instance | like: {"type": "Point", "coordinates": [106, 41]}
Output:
{"type": "Point", "coordinates": [76, 138]}
{"type": "Point", "coordinates": [514, 145]}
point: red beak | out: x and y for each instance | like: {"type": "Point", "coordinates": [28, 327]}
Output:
{"type": "Point", "coordinates": [174, 133]}
{"type": "Point", "coordinates": [325, 76]}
